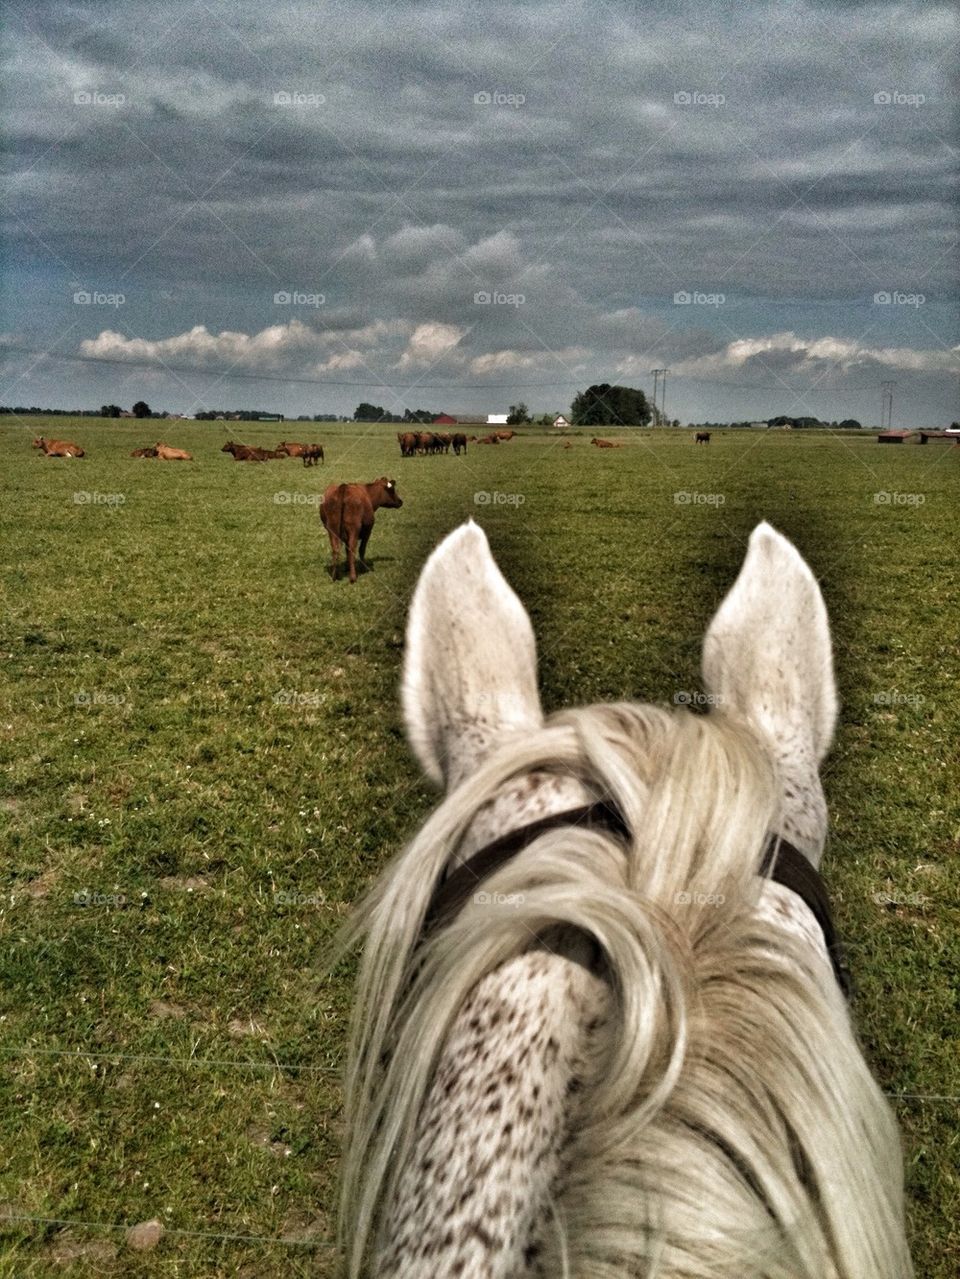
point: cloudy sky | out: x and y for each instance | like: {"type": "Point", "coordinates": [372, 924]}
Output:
{"type": "Point", "coordinates": [300, 206]}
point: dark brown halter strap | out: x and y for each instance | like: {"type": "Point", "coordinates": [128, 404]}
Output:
{"type": "Point", "coordinates": [796, 872]}
{"type": "Point", "coordinates": [455, 891]}
{"type": "Point", "coordinates": [782, 860]}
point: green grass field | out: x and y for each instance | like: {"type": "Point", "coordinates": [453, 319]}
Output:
{"type": "Point", "coordinates": [204, 766]}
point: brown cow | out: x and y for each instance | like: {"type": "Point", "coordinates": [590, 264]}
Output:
{"type": "Point", "coordinates": [290, 449]}
{"type": "Point", "coordinates": [425, 442]}
{"type": "Point", "coordinates": [312, 453]}
{"type": "Point", "coordinates": [505, 435]}
{"type": "Point", "coordinates": [488, 439]}
{"type": "Point", "coordinates": [408, 443]}
{"type": "Point", "coordinates": [347, 512]}
{"type": "Point", "coordinates": [442, 442]}
{"type": "Point", "coordinates": [605, 444]}
{"type": "Point", "coordinates": [703, 437]}
{"type": "Point", "coordinates": [245, 452]}
{"type": "Point", "coordinates": [58, 448]}
{"type": "Point", "coordinates": [144, 453]}
{"type": "Point", "coordinates": [166, 454]}
{"type": "Point", "coordinates": [459, 442]}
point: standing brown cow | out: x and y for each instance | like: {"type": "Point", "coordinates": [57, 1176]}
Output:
{"type": "Point", "coordinates": [505, 435]}
{"type": "Point", "coordinates": [166, 454]}
{"type": "Point", "coordinates": [312, 453]}
{"type": "Point", "coordinates": [703, 437]}
{"type": "Point", "coordinates": [347, 512]}
{"type": "Point", "coordinates": [459, 442]}
{"type": "Point", "coordinates": [290, 449]}
{"type": "Point", "coordinates": [408, 443]}
{"type": "Point", "coordinates": [58, 448]}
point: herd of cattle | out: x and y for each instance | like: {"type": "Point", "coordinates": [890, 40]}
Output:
{"type": "Point", "coordinates": [418, 443]}
{"type": "Point", "coordinates": [310, 454]}
{"type": "Point", "coordinates": [347, 510]}
{"type": "Point", "coordinates": [412, 444]}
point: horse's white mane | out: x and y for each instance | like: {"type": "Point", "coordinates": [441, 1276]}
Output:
{"type": "Point", "coordinates": [720, 1120]}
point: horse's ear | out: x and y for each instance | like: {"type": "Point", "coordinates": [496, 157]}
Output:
{"type": "Point", "coordinates": [767, 655]}
{"type": "Point", "coordinates": [470, 667]}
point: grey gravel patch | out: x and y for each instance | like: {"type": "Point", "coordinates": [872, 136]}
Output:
{"type": "Point", "coordinates": [68, 1248]}
{"type": "Point", "coordinates": [160, 1008]}
{"type": "Point", "coordinates": [261, 1138]}
{"type": "Point", "coordinates": [185, 884]}
{"type": "Point", "coordinates": [245, 1027]}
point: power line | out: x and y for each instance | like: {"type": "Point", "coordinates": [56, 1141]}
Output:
{"type": "Point", "coordinates": [375, 381]}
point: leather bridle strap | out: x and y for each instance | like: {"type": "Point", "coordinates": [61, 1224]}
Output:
{"type": "Point", "coordinates": [456, 890]}
{"type": "Point", "coordinates": [784, 863]}
{"type": "Point", "coordinates": [788, 866]}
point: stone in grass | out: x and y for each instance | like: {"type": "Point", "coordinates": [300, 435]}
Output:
{"type": "Point", "coordinates": [145, 1235]}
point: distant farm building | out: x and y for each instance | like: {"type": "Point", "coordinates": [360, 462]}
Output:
{"type": "Point", "coordinates": [472, 419]}
{"type": "Point", "coordinates": [893, 437]}
{"type": "Point", "coordinates": [759, 426]}
{"type": "Point", "coordinates": [560, 422]}
{"type": "Point", "coordinates": [951, 436]}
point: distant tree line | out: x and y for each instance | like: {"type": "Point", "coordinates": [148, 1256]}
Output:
{"type": "Point", "coordinates": [798, 423]}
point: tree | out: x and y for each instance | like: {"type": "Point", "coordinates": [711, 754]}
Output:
{"type": "Point", "coordinates": [141, 409]}
{"type": "Point", "coordinates": [850, 424]}
{"type": "Point", "coordinates": [374, 413]}
{"type": "Point", "coordinates": [518, 415]}
{"type": "Point", "coordinates": [110, 410]}
{"type": "Point", "coordinates": [606, 405]}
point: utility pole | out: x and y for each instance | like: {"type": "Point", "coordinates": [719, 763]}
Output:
{"type": "Point", "coordinates": [886, 405]}
{"type": "Point", "coordinates": [659, 415]}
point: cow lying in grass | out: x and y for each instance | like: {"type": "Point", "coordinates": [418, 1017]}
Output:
{"type": "Point", "coordinates": [246, 452]}
{"type": "Point", "coordinates": [58, 448]}
{"type": "Point", "coordinates": [605, 444]}
{"type": "Point", "coordinates": [147, 452]}
{"type": "Point", "coordinates": [165, 453]}
{"type": "Point", "coordinates": [347, 513]}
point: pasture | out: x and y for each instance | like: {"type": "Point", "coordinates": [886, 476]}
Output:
{"type": "Point", "coordinates": [204, 766]}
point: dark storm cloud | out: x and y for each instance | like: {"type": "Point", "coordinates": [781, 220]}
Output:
{"type": "Point", "coordinates": [401, 159]}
